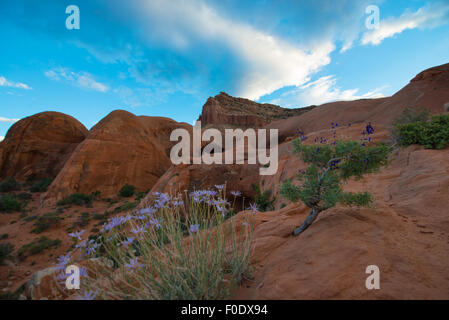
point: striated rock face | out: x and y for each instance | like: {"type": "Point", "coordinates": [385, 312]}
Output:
{"type": "Point", "coordinates": [121, 149]}
{"type": "Point", "coordinates": [37, 147]}
{"type": "Point", "coordinates": [238, 112]}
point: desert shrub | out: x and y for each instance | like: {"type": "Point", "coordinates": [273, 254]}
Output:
{"type": "Point", "coordinates": [24, 196]}
{"type": "Point", "coordinates": [45, 221]}
{"type": "Point", "coordinates": [140, 195]}
{"type": "Point", "coordinates": [36, 247]}
{"type": "Point", "coordinates": [5, 251]}
{"type": "Point", "coordinates": [8, 185]}
{"type": "Point", "coordinates": [329, 166]}
{"type": "Point", "coordinates": [169, 251]}
{"type": "Point", "coordinates": [262, 199]}
{"type": "Point", "coordinates": [127, 191]}
{"type": "Point", "coordinates": [82, 221]}
{"type": "Point", "coordinates": [9, 203]}
{"type": "Point", "coordinates": [4, 236]}
{"type": "Point", "coordinates": [41, 185]}
{"type": "Point", "coordinates": [127, 206]}
{"type": "Point", "coordinates": [78, 199]}
{"type": "Point", "coordinates": [433, 133]}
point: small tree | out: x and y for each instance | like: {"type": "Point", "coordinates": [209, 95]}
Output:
{"type": "Point", "coordinates": [331, 165]}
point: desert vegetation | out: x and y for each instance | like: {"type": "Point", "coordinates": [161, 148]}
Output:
{"type": "Point", "coordinates": [169, 250]}
{"type": "Point", "coordinates": [418, 127]}
{"type": "Point", "coordinates": [330, 165]}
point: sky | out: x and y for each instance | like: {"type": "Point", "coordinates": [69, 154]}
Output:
{"type": "Point", "coordinates": [165, 58]}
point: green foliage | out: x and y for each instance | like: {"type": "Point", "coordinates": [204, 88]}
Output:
{"type": "Point", "coordinates": [411, 115]}
{"type": "Point", "coordinates": [82, 221]}
{"type": "Point", "coordinates": [78, 199]}
{"type": "Point", "coordinates": [433, 134]}
{"type": "Point", "coordinates": [127, 191]}
{"type": "Point", "coordinates": [9, 185]}
{"type": "Point", "coordinates": [127, 206]}
{"type": "Point", "coordinates": [5, 251]}
{"type": "Point", "coordinates": [45, 221]}
{"type": "Point", "coordinates": [4, 236]}
{"type": "Point", "coordinates": [329, 166]}
{"type": "Point", "coordinates": [41, 185]}
{"type": "Point", "coordinates": [23, 196]}
{"type": "Point", "coordinates": [36, 247]}
{"type": "Point", "coordinates": [178, 251]}
{"type": "Point", "coordinates": [362, 199]}
{"type": "Point", "coordinates": [262, 199]}
{"type": "Point", "coordinates": [9, 203]}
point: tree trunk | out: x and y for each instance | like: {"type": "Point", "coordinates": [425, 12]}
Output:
{"type": "Point", "coordinates": [309, 220]}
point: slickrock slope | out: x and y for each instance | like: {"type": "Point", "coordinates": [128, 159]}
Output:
{"type": "Point", "coordinates": [429, 89]}
{"type": "Point", "coordinates": [406, 234]}
{"type": "Point", "coordinates": [238, 112]}
{"type": "Point", "coordinates": [37, 147]}
{"type": "Point", "coordinates": [121, 149]}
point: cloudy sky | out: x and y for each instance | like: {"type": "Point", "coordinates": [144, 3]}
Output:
{"type": "Point", "coordinates": [165, 58]}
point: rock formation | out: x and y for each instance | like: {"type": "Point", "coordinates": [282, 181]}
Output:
{"type": "Point", "coordinates": [121, 149]}
{"type": "Point", "coordinates": [37, 147]}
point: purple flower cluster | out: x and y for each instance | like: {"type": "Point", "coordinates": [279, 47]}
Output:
{"type": "Point", "coordinates": [133, 264]}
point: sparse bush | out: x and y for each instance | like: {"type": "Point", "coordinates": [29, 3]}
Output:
{"type": "Point", "coordinates": [329, 166]}
{"type": "Point", "coordinates": [262, 199]}
{"type": "Point", "coordinates": [9, 203]}
{"type": "Point", "coordinates": [36, 247]}
{"type": "Point", "coordinates": [127, 206]}
{"type": "Point", "coordinates": [433, 133]}
{"type": "Point", "coordinates": [4, 236]}
{"type": "Point", "coordinates": [127, 191]}
{"type": "Point", "coordinates": [78, 199]}
{"type": "Point", "coordinates": [5, 251]}
{"type": "Point", "coordinates": [169, 251]}
{"type": "Point", "coordinates": [45, 221]}
{"type": "Point", "coordinates": [41, 185]}
{"type": "Point", "coordinates": [9, 185]}
{"type": "Point", "coordinates": [82, 221]}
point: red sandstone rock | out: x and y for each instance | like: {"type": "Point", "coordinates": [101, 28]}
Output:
{"type": "Point", "coordinates": [37, 147]}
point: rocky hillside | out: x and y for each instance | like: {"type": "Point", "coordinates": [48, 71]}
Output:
{"type": "Point", "coordinates": [224, 110]}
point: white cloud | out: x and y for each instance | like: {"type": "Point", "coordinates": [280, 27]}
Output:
{"type": "Point", "coordinates": [81, 79]}
{"type": "Point", "coordinates": [321, 91]}
{"type": "Point", "coordinates": [2, 119]}
{"type": "Point", "coordinates": [7, 83]}
{"type": "Point", "coordinates": [270, 62]}
{"type": "Point", "coordinates": [426, 17]}
{"type": "Point", "coordinates": [2, 138]}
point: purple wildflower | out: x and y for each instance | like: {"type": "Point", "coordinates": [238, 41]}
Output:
{"type": "Point", "coordinates": [236, 193]}
{"type": "Point", "coordinates": [76, 234]}
{"type": "Point", "coordinates": [88, 295]}
{"type": "Point", "coordinates": [194, 228]}
{"type": "Point", "coordinates": [127, 242]}
{"type": "Point", "coordinates": [253, 207]}
{"type": "Point", "coordinates": [133, 264]}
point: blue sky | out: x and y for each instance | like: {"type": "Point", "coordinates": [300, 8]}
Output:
{"type": "Point", "coordinates": [165, 58]}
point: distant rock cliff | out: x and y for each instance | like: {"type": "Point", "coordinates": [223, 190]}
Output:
{"type": "Point", "coordinates": [238, 112]}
